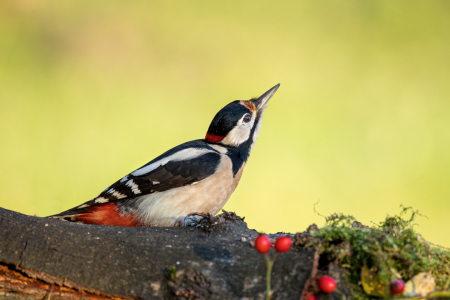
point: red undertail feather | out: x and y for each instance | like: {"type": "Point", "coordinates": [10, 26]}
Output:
{"type": "Point", "coordinates": [108, 214]}
{"type": "Point", "coordinates": [211, 138]}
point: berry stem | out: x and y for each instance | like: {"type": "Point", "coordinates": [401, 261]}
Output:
{"type": "Point", "coordinates": [267, 259]}
{"type": "Point", "coordinates": [269, 263]}
{"type": "Point", "coordinates": [269, 270]}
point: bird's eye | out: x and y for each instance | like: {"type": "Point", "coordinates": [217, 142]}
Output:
{"type": "Point", "coordinates": [247, 118]}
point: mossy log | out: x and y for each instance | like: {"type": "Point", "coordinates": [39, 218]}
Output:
{"type": "Point", "coordinates": [50, 259]}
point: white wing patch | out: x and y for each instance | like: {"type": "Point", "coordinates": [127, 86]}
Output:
{"type": "Point", "coordinates": [178, 156]}
{"type": "Point", "coordinates": [116, 194]}
{"type": "Point", "coordinates": [124, 179]}
{"type": "Point", "coordinates": [83, 206]}
{"type": "Point", "coordinates": [101, 200]}
{"type": "Point", "coordinates": [134, 187]}
{"type": "Point", "coordinates": [156, 182]}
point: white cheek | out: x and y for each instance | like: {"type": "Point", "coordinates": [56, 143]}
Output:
{"type": "Point", "coordinates": [236, 136]}
{"type": "Point", "coordinates": [239, 134]}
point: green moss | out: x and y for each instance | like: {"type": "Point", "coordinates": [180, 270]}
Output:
{"type": "Point", "coordinates": [390, 248]}
{"type": "Point", "coordinates": [172, 274]}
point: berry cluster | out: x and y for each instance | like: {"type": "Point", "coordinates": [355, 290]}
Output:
{"type": "Point", "coordinates": [326, 284]}
{"type": "Point", "coordinates": [263, 245]}
{"type": "Point", "coordinates": [282, 244]}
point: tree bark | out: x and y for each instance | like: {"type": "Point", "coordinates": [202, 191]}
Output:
{"type": "Point", "coordinates": [50, 259]}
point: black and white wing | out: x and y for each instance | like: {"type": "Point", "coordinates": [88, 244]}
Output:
{"type": "Point", "coordinates": [183, 165]}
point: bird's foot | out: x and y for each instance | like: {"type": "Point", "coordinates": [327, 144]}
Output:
{"type": "Point", "coordinates": [207, 220]}
{"type": "Point", "coordinates": [193, 219]}
{"type": "Point", "coordinates": [201, 220]}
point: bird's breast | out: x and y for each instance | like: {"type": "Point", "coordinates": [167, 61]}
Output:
{"type": "Point", "coordinates": [208, 196]}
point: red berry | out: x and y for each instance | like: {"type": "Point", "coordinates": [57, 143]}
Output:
{"type": "Point", "coordinates": [283, 243]}
{"type": "Point", "coordinates": [327, 284]}
{"type": "Point", "coordinates": [397, 286]}
{"type": "Point", "coordinates": [312, 297]}
{"type": "Point", "coordinates": [262, 244]}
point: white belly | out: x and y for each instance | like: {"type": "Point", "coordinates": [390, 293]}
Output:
{"type": "Point", "coordinates": [208, 196]}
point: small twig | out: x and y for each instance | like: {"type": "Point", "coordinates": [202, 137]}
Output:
{"type": "Point", "coordinates": [49, 294]}
{"type": "Point", "coordinates": [315, 211]}
{"type": "Point", "coordinates": [437, 245]}
{"type": "Point", "coordinates": [310, 282]}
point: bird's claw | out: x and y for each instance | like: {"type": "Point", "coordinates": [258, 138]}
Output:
{"type": "Point", "coordinates": [192, 219]}
{"type": "Point", "coordinates": [201, 219]}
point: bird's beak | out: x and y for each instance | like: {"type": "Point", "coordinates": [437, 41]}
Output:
{"type": "Point", "coordinates": [261, 102]}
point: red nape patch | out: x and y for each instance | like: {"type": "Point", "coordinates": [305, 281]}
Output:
{"type": "Point", "coordinates": [211, 138]}
{"type": "Point", "coordinates": [108, 214]}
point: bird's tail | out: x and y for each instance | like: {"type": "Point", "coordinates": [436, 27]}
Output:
{"type": "Point", "coordinates": [102, 214]}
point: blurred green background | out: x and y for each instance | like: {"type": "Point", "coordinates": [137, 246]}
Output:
{"type": "Point", "coordinates": [91, 90]}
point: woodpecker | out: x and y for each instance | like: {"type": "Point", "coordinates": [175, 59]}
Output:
{"type": "Point", "coordinates": [198, 176]}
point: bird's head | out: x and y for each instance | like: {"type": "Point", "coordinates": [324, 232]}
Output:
{"type": "Point", "coordinates": [238, 123]}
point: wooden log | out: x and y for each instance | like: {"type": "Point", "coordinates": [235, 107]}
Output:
{"type": "Point", "coordinates": [41, 257]}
